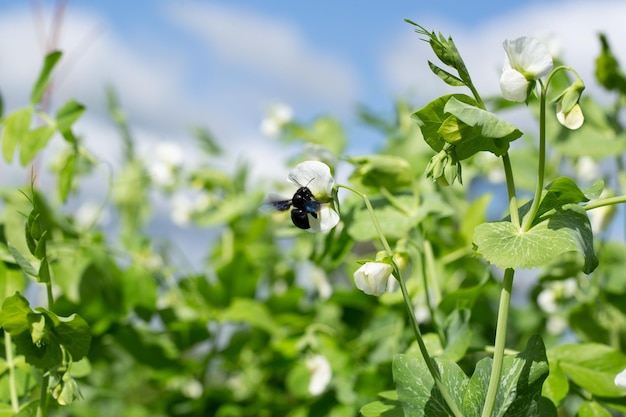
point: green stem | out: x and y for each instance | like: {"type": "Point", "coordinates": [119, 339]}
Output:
{"type": "Point", "coordinates": [428, 271]}
{"type": "Point", "coordinates": [605, 202]}
{"type": "Point", "coordinates": [394, 201]}
{"type": "Point", "coordinates": [429, 259]}
{"type": "Point", "coordinates": [430, 363]}
{"type": "Point", "coordinates": [42, 407]}
{"type": "Point", "coordinates": [530, 217]}
{"type": "Point", "coordinates": [479, 100]}
{"type": "Point", "coordinates": [500, 343]}
{"type": "Point", "coordinates": [379, 230]}
{"type": "Point", "coordinates": [8, 348]}
{"type": "Point", "coordinates": [510, 187]}
{"type": "Point", "coordinates": [50, 296]}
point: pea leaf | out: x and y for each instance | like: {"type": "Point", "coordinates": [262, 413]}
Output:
{"type": "Point", "coordinates": [72, 332]}
{"type": "Point", "coordinates": [26, 266]}
{"type": "Point", "coordinates": [592, 409]}
{"type": "Point", "coordinates": [13, 314]}
{"type": "Point", "coordinates": [382, 171]}
{"type": "Point", "coordinates": [431, 116]}
{"type": "Point", "coordinates": [447, 78]}
{"type": "Point", "coordinates": [416, 388]}
{"type": "Point", "coordinates": [567, 230]}
{"type": "Point", "coordinates": [558, 193]}
{"type": "Point", "coordinates": [16, 126]}
{"type": "Point", "coordinates": [519, 393]}
{"type": "Point", "coordinates": [591, 366]}
{"type": "Point", "coordinates": [68, 114]}
{"type": "Point", "coordinates": [34, 141]}
{"type": "Point", "coordinates": [44, 76]}
{"type": "Point", "coordinates": [556, 385]}
{"type": "Point", "coordinates": [488, 132]}
{"type": "Point", "coordinates": [458, 335]}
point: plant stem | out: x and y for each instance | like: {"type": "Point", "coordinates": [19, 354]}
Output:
{"type": "Point", "coordinates": [15, 404]}
{"type": "Point", "coordinates": [510, 187]}
{"type": "Point", "coordinates": [530, 216]}
{"type": "Point", "coordinates": [42, 407]}
{"type": "Point", "coordinates": [429, 259]}
{"type": "Point", "coordinates": [370, 209]}
{"type": "Point", "coordinates": [605, 202]}
{"type": "Point", "coordinates": [500, 343]}
{"type": "Point", "coordinates": [428, 271]}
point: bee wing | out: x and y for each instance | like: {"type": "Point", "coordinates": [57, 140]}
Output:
{"type": "Point", "coordinates": [313, 207]}
{"type": "Point", "coordinates": [275, 203]}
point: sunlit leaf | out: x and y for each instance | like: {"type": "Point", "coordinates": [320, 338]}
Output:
{"type": "Point", "coordinates": [15, 129]}
{"type": "Point", "coordinates": [567, 230]}
{"type": "Point", "coordinates": [44, 76]}
{"type": "Point", "coordinates": [416, 388]}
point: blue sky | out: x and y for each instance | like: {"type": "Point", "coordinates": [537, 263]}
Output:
{"type": "Point", "coordinates": [221, 63]}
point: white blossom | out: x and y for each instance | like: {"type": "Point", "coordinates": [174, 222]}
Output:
{"type": "Point", "coordinates": [165, 161]}
{"type": "Point", "coordinates": [321, 374]}
{"type": "Point", "coordinates": [572, 119]}
{"type": "Point", "coordinates": [316, 177]}
{"type": "Point", "coordinates": [526, 61]}
{"type": "Point", "coordinates": [620, 379]}
{"type": "Point", "coordinates": [374, 278]}
{"type": "Point", "coordinates": [277, 116]}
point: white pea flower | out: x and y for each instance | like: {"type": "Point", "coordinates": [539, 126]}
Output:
{"type": "Point", "coordinates": [89, 214]}
{"type": "Point", "coordinates": [321, 374]}
{"type": "Point", "coordinates": [278, 115]}
{"type": "Point", "coordinates": [547, 300]}
{"type": "Point", "coordinates": [182, 209]}
{"type": "Point", "coordinates": [572, 119]}
{"type": "Point", "coordinates": [587, 169]}
{"type": "Point", "coordinates": [526, 61]}
{"type": "Point", "coordinates": [556, 325]}
{"type": "Point", "coordinates": [311, 205]}
{"type": "Point", "coordinates": [165, 163]}
{"type": "Point", "coordinates": [620, 379]}
{"type": "Point", "coordinates": [374, 278]}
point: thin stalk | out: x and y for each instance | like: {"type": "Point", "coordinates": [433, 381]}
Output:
{"type": "Point", "coordinates": [429, 259]}
{"type": "Point", "coordinates": [370, 209]}
{"type": "Point", "coordinates": [15, 404]}
{"type": "Point", "coordinates": [605, 202]}
{"type": "Point", "coordinates": [394, 201]}
{"type": "Point", "coordinates": [42, 407]}
{"type": "Point", "coordinates": [500, 343]}
{"type": "Point", "coordinates": [510, 187]}
{"type": "Point", "coordinates": [541, 169]}
{"type": "Point", "coordinates": [426, 273]}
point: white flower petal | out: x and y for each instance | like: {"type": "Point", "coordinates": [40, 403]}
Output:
{"type": "Point", "coordinates": [513, 85]}
{"type": "Point", "coordinates": [316, 176]}
{"type": "Point", "coordinates": [547, 301]}
{"type": "Point", "coordinates": [321, 374]}
{"type": "Point", "coordinates": [373, 277]}
{"type": "Point", "coordinates": [620, 379]}
{"type": "Point", "coordinates": [573, 119]}
{"type": "Point", "coordinates": [528, 56]}
{"type": "Point", "coordinates": [327, 218]}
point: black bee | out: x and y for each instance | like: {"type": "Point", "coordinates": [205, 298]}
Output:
{"type": "Point", "coordinates": [303, 203]}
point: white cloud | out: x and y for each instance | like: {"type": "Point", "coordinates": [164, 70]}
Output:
{"type": "Point", "coordinates": [267, 50]}
{"type": "Point", "coordinates": [574, 24]}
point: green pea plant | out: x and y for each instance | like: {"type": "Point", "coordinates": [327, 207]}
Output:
{"type": "Point", "coordinates": [48, 342]}
{"type": "Point", "coordinates": [464, 268]}
{"type": "Point", "coordinates": [553, 227]}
